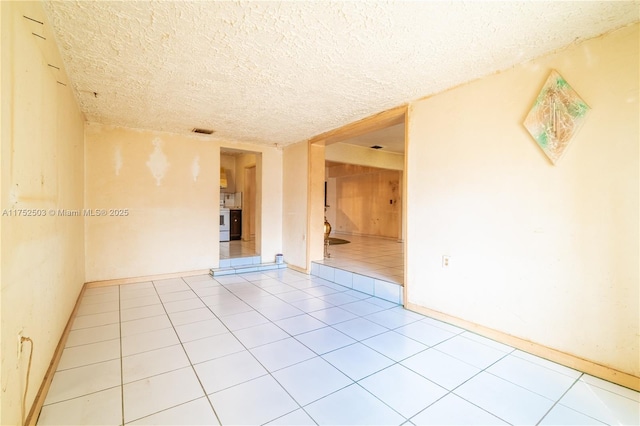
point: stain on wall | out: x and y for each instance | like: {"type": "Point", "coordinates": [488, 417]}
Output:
{"type": "Point", "coordinates": [195, 168]}
{"type": "Point", "coordinates": [158, 163]}
{"type": "Point", "coordinates": [170, 221]}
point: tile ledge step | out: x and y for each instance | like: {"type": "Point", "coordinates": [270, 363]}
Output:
{"type": "Point", "coordinates": [233, 270]}
{"type": "Point", "coordinates": [377, 285]}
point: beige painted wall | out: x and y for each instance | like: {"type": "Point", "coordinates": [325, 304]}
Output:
{"type": "Point", "coordinates": [170, 185]}
{"type": "Point", "coordinates": [42, 257]}
{"type": "Point", "coordinates": [315, 222]}
{"type": "Point", "coordinates": [294, 238]}
{"type": "Point", "coordinates": [545, 253]}
{"type": "Point", "coordinates": [303, 203]}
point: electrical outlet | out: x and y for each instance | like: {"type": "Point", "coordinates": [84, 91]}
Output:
{"type": "Point", "coordinates": [446, 261]}
{"type": "Point", "coordinates": [19, 344]}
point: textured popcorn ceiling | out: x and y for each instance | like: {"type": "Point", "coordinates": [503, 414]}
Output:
{"type": "Point", "coordinates": [282, 72]}
{"type": "Point", "coordinates": [391, 139]}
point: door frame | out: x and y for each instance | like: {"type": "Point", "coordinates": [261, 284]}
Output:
{"type": "Point", "coordinates": [252, 203]}
{"type": "Point", "coordinates": [315, 181]}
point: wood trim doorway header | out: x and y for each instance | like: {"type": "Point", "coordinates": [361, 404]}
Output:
{"type": "Point", "coordinates": [379, 121]}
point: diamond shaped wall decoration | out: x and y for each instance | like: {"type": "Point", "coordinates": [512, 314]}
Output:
{"type": "Point", "coordinates": [556, 116]}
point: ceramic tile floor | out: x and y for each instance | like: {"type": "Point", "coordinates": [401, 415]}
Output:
{"type": "Point", "coordinates": [275, 348]}
{"type": "Point", "coordinates": [379, 258]}
{"type": "Point", "coordinates": [237, 248]}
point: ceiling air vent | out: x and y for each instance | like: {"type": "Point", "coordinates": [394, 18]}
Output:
{"type": "Point", "coordinates": [375, 147]}
{"type": "Point", "coordinates": [202, 131]}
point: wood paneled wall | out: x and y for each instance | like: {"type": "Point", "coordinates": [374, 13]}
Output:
{"type": "Point", "coordinates": [368, 200]}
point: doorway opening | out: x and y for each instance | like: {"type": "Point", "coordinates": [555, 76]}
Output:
{"type": "Point", "coordinates": [364, 202]}
{"type": "Point", "coordinates": [364, 210]}
{"type": "Point", "coordinates": [239, 206]}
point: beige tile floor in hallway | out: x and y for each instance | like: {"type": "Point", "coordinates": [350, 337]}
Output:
{"type": "Point", "coordinates": [237, 248]}
{"type": "Point", "coordinates": [285, 348]}
{"type": "Point", "coordinates": [379, 258]}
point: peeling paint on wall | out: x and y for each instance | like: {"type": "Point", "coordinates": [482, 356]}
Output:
{"type": "Point", "coordinates": [14, 196]}
{"type": "Point", "coordinates": [118, 161]}
{"type": "Point", "coordinates": [157, 162]}
{"type": "Point", "coordinates": [195, 168]}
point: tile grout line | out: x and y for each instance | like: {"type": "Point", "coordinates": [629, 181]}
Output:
{"type": "Point", "coordinates": [407, 419]}
{"type": "Point", "coordinates": [530, 390]}
{"type": "Point", "coordinates": [319, 355]}
{"type": "Point", "coordinates": [467, 380]}
{"type": "Point", "coordinates": [357, 316]}
{"type": "Point", "coordinates": [83, 395]}
{"type": "Point", "coordinates": [434, 347]}
{"type": "Point", "coordinates": [254, 357]}
{"type": "Point", "coordinates": [562, 396]}
{"type": "Point", "coordinates": [167, 314]}
{"type": "Point", "coordinates": [356, 341]}
{"type": "Point", "coordinates": [360, 341]}
{"type": "Point", "coordinates": [637, 401]}
{"type": "Point", "coordinates": [186, 354]}
{"type": "Point", "coordinates": [357, 382]}
{"type": "Point", "coordinates": [90, 343]}
{"type": "Point", "coordinates": [169, 371]}
{"type": "Point", "coordinates": [509, 381]}
{"type": "Point", "coordinates": [519, 385]}
{"type": "Point", "coordinates": [291, 336]}
{"type": "Point", "coordinates": [177, 344]}
{"type": "Point", "coordinates": [121, 358]}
